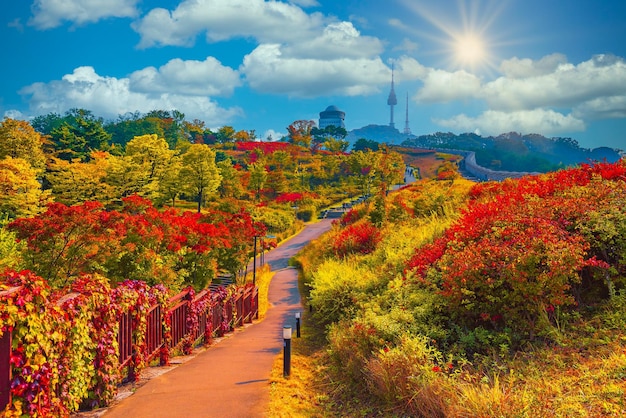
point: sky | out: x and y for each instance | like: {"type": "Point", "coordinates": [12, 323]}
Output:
{"type": "Point", "coordinates": [550, 67]}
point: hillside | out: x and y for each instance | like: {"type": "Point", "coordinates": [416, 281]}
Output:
{"type": "Point", "coordinates": [493, 299]}
{"type": "Point", "coordinates": [508, 152]}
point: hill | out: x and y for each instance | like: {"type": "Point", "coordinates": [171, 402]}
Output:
{"type": "Point", "coordinates": [508, 152]}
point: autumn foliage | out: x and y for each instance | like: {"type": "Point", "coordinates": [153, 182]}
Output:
{"type": "Point", "coordinates": [137, 242]}
{"type": "Point", "coordinates": [523, 248]}
{"type": "Point", "coordinates": [357, 238]}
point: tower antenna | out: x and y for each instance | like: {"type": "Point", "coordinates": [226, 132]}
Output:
{"type": "Point", "coordinates": [407, 129]}
{"type": "Point", "coordinates": [392, 100]}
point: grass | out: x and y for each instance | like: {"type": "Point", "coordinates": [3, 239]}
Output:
{"type": "Point", "coordinates": [585, 376]}
{"type": "Point", "coordinates": [303, 393]}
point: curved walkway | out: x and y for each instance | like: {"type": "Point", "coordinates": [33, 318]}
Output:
{"type": "Point", "coordinates": [229, 379]}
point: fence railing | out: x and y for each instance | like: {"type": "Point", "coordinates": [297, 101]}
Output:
{"type": "Point", "coordinates": [211, 314]}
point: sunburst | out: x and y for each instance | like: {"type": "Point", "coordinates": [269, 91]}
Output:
{"type": "Point", "coordinates": [463, 38]}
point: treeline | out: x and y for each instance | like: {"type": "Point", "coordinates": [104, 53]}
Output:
{"type": "Point", "coordinates": [517, 152]}
{"type": "Point", "coordinates": [53, 170]}
{"type": "Point", "coordinates": [160, 156]}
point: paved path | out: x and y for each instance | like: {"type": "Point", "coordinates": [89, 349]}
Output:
{"type": "Point", "coordinates": [229, 379]}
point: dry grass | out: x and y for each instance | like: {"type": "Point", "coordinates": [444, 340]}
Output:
{"type": "Point", "coordinates": [303, 393]}
{"type": "Point", "coordinates": [583, 378]}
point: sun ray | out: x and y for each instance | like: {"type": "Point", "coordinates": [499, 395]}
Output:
{"type": "Point", "coordinates": [464, 39]}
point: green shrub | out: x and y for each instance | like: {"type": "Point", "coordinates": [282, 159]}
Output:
{"type": "Point", "coordinates": [337, 289]}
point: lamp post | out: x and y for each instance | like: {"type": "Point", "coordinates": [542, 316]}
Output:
{"type": "Point", "coordinates": [287, 351]}
{"type": "Point", "coordinates": [298, 324]}
{"type": "Point", "coordinates": [254, 264]}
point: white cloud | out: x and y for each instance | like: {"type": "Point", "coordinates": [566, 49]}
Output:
{"type": "Point", "coordinates": [407, 45]}
{"type": "Point", "coordinates": [409, 69]}
{"type": "Point", "coordinates": [265, 21]}
{"type": "Point", "coordinates": [14, 114]}
{"type": "Point", "coordinates": [338, 40]}
{"type": "Point", "coordinates": [567, 85]}
{"type": "Point", "coordinates": [204, 78]}
{"type": "Point", "coordinates": [49, 14]}
{"type": "Point", "coordinates": [524, 68]}
{"type": "Point", "coordinates": [272, 135]}
{"type": "Point", "coordinates": [305, 3]}
{"type": "Point", "coordinates": [268, 71]}
{"type": "Point", "coordinates": [613, 107]}
{"type": "Point", "coordinates": [492, 122]}
{"type": "Point", "coordinates": [110, 97]}
{"type": "Point", "coordinates": [444, 86]}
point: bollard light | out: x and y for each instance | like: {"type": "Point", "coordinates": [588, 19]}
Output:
{"type": "Point", "coordinates": [287, 351]}
{"type": "Point", "coordinates": [298, 324]}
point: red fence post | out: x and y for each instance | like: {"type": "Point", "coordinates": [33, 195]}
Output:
{"type": "Point", "coordinates": [5, 369]}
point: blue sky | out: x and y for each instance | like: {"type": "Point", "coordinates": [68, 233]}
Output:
{"type": "Point", "coordinates": [555, 67]}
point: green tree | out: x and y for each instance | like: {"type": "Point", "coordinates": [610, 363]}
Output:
{"type": "Point", "coordinates": [258, 177]}
{"type": "Point", "coordinates": [78, 135]}
{"type": "Point", "coordinates": [363, 144]}
{"type": "Point", "coordinates": [199, 173]}
{"type": "Point", "coordinates": [172, 124]}
{"type": "Point", "coordinates": [231, 179]}
{"type": "Point", "coordinates": [225, 134]}
{"type": "Point", "coordinates": [18, 139]}
{"type": "Point", "coordinates": [129, 126]}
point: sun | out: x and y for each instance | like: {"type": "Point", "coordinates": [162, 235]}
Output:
{"type": "Point", "coordinates": [464, 39]}
{"type": "Point", "coordinates": [469, 50]}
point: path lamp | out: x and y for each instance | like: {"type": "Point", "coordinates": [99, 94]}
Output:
{"type": "Point", "coordinates": [254, 264]}
{"type": "Point", "coordinates": [287, 351]}
{"type": "Point", "coordinates": [298, 324]}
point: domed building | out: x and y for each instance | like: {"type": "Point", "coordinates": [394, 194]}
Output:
{"type": "Point", "coordinates": [332, 116]}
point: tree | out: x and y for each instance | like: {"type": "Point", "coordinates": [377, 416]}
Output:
{"type": "Point", "coordinates": [225, 134]}
{"type": "Point", "coordinates": [78, 182]}
{"type": "Point", "coordinates": [336, 145]}
{"type": "Point", "coordinates": [153, 158]}
{"type": "Point", "coordinates": [199, 173]}
{"type": "Point", "coordinates": [300, 132]}
{"type": "Point", "coordinates": [18, 139]}
{"type": "Point", "coordinates": [258, 177]}
{"type": "Point", "coordinates": [20, 192]}
{"type": "Point", "coordinates": [79, 134]}
{"type": "Point", "coordinates": [172, 124]}
{"type": "Point", "coordinates": [363, 144]}
{"type": "Point", "coordinates": [231, 179]}
{"type": "Point", "coordinates": [132, 125]}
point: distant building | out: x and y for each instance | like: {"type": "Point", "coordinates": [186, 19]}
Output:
{"type": "Point", "coordinates": [332, 116]}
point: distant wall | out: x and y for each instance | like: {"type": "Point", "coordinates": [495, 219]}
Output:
{"type": "Point", "coordinates": [481, 173]}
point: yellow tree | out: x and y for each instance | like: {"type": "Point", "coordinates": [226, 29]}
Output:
{"type": "Point", "coordinates": [74, 182]}
{"type": "Point", "coordinates": [18, 139]}
{"type": "Point", "coordinates": [21, 194]}
{"type": "Point", "coordinates": [152, 161]}
{"type": "Point", "coordinates": [199, 174]}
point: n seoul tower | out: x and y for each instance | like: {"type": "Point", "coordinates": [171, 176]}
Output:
{"type": "Point", "coordinates": [392, 100]}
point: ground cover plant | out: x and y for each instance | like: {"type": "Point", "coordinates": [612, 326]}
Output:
{"type": "Point", "coordinates": [508, 302]}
